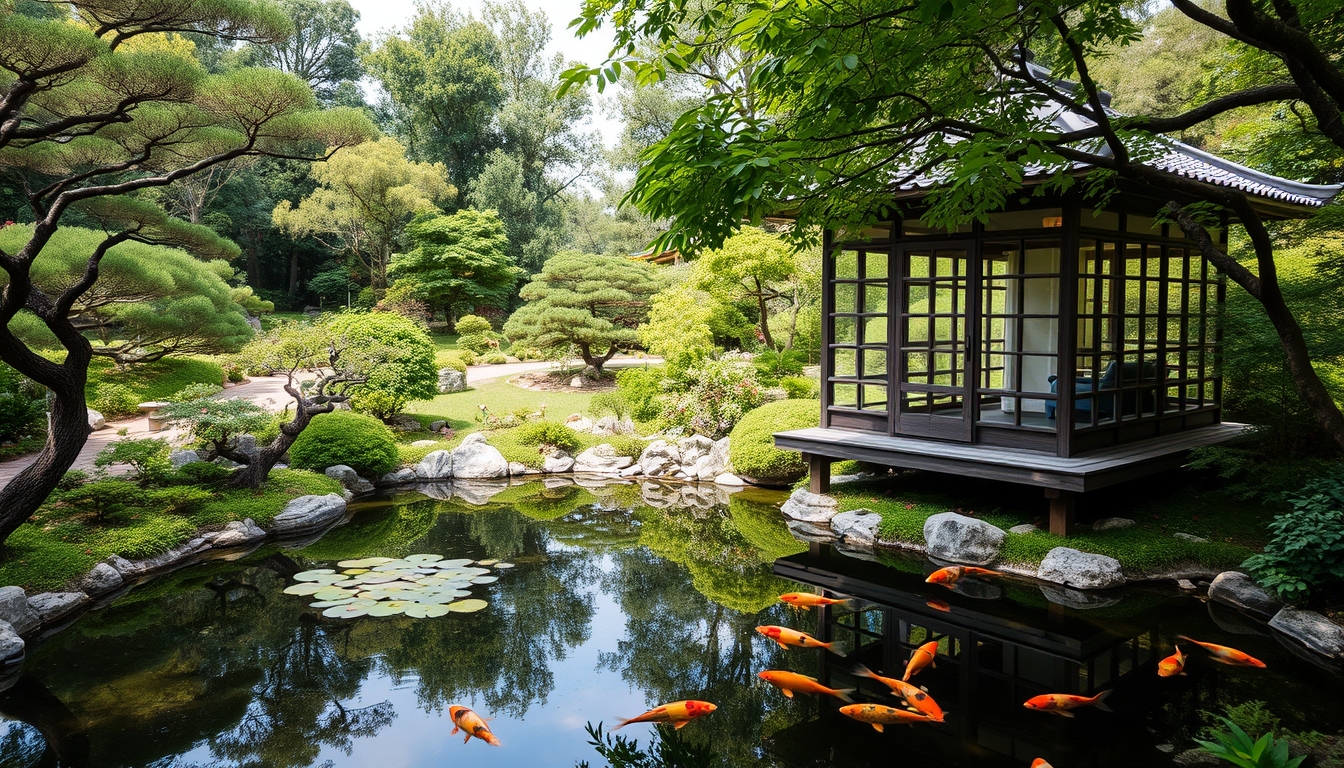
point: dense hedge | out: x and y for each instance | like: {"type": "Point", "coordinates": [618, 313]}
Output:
{"type": "Point", "coordinates": [361, 442]}
{"type": "Point", "coordinates": [751, 445]}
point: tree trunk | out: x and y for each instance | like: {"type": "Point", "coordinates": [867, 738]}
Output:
{"type": "Point", "coordinates": [293, 272]}
{"type": "Point", "coordinates": [593, 361]}
{"type": "Point", "coordinates": [448, 318]}
{"type": "Point", "coordinates": [65, 439]}
{"type": "Point", "coordinates": [254, 473]}
{"type": "Point", "coordinates": [1309, 385]}
{"type": "Point", "coordinates": [253, 267]}
{"type": "Point", "coordinates": [765, 315]}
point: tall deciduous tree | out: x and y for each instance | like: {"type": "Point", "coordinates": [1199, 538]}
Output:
{"type": "Point", "coordinates": [592, 302]}
{"type": "Point", "coordinates": [97, 109]}
{"type": "Point", "coordinates": [775, 276]}
{"type": "Point", "coordinates": [458, 261]}
{"type": "Point", "coordinates": [323, 51]}
{"type": "Point", "coordinates": [842, 102]}
{"type": "Point", "coordinates": [364, 199]}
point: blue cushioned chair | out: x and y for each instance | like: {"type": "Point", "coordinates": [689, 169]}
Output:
{"type": "Point", "coordinates": [1129, 374]}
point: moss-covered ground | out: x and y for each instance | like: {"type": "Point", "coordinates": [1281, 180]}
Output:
{"type": "Point", "coordinates": [157, 380]}
{"type": "Point", "coordinates": [1175, 502]}
{"type": "Point", "coordinates": [61, 543]}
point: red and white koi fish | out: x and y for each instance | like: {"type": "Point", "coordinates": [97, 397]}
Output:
{"type": "Point", "coordinates": [1061, 703]}
{"type": "Point", "coordinates": [787, 637]}
{"type": "Point", "coordinates": [1224, 655]}
{"type": "Point", "coordinates": [678, 713]}
{"type": "Point", "coordinates": [472, 723]}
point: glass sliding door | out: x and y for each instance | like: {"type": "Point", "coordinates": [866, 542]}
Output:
{"type": "Point", "coordinates": [933, 384]}
{"type": "Point", "coordinates": [859, 325]}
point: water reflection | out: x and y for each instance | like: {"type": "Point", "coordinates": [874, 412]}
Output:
{"type": "Point", "coordinates": [615, 605]}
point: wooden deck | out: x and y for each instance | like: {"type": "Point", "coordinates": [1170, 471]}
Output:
{"type": "Point", "coordinates": [1089, 472]}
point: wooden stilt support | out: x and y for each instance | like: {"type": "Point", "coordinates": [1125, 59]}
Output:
{"type": "Point", "coordinates": [818, 473]}
{"type": "Point", "coordinates": [1061, 510]}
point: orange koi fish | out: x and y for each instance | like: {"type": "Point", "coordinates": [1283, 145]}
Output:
{"type": "Point", "coordinates": [1172, 665]}
{"type": "Point", "coordinates": [808, 600]}
{"type": "Point", "coordinates": [790, 683]}
{"type": "Point", "coordinates": [786, 637]}
{"type": "Point", "coordinates": [1224, 655]}
{"type": "Point", "coordinates": [939, 605]}
{"type": "Point", "coordinates": [922, 657]}
{"type": "Point", "coordinates": [678, 713]}
{"type": "Point", "coordinates": [471, 723]}
{"type": "Point", "coordinates": [1061, 703]}
{"type": "Point", "coordinates": [950, 575]}
{"type": "Point", "coordinates": [878, 715]}
{"type": "Point", "coordinates": [1040, 763]}
{"type": "Point", "coordinates": [915, 698]}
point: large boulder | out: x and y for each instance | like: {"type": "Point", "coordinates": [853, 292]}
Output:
{"type": "Point", "coordinates": [451, 380]}
{"type": "Point", "coordinates": [437, 465]}
{"type": "Point", "coordinates": [246, 444]}
{"type": "Point", "coordinates": [237, 534]}
{"type": "Point", "coordinates": [712, 464]}
{"type": "Point", "coordinates": [557, 463]}
{"type": "Point", "coordinates": [403, 476]}
{"type": "Point", "coordinates": [11, 645]}
{"type": "Point", "coordinates": [101, 580]}
{"type": "Point", "coordinates": [51, 607]}
{"type": "Point", "coordinates": [1241, 592]}
{"type": "Point", "coordinates": [309, 513]}
{"type": "Point", "coordinates": [96, 420]}
{"type": "Point", "coordinates": [349, 479]}
{"type": "Point", "coordinates": [857, 528]}
{"type": "Point", "coordinates": [961, 539]}
{"type": "Point", "coordinates": [476, 459]}
{"type": "Point", "coordinates": [660, 459]}
{"type": "Point", "coordinates": [1312, 630]}
{"type": "Point", "coordinates": [810, 513]}
{"type": "Point", "coordinates": [693, 448]}
{"type": "Point", "coordinates": [1082, 570]}
{"type": "Point", "coordinates": [182, 458]}
{"type": "Point", "coordinates": [15, 611]}
{"type": "Point", "coordinates": [601, 459]}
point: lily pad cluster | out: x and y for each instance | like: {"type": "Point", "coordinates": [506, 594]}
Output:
{"type": "Point", "coordinates": [418, 586]}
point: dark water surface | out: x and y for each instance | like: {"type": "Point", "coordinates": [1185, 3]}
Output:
{"type": "Point", "coordinates": [617, 605]}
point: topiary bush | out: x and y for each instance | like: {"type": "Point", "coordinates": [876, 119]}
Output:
{"type": "Point", "coordinates": [643, 389]}
{"type": "Point", "coordinates": [494, 358]}
{"type": "Point", "coordinates": [377, 403]}
{"type": "Point", "coordinates": [470, 324]}
{"type": "Point", "coordinates": [548, 433]}
{"type": "Point", "coordinates": [405, 351]}
{"type": "Point", "coordinates": [361, 442]}
{"type": "Point", "coordinates": [751, 446]}
{"type": "Point", "coordinates": [450, 358]}
{"type": "Point", "coordinates": [477, 343]}
{"type": "Point", "coordinates": [1305, 557]}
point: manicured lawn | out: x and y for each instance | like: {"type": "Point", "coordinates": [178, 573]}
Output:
{"type": "Point", "coordinates": [462, 409]}
{"type": "Point", "coordinates": [157, 380]}
{"type": "Point", "coordinates": [1176, 502]}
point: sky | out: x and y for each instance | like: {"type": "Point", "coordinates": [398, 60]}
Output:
{"type": "Point", "coordinates": [379, 15]}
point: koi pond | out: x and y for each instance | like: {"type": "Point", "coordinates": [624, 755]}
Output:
{"type": "Point", "coordinates": [617, 602]}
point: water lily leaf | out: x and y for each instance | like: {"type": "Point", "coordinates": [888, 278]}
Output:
{"type": "Point", "coordinates": [458, 563]}
{"type": "Point", "coordinates": [423, 558]}
{"type": "Point", "coordinates": [355, 571]}
{"type": "Point", "coordinates": [389, 608]}
{"type": "Point", "coordinates": [393, 565]}
{"type": "Point", "coordinates": [485, 580]}
{"type": "Point", "coordinates": [503, 566]}
{"type": "Point", "coordinates": [303, 588]}
{"type": "Point", "coordinates": [334, 593]}
{"type": "Point", "coordinates": [348, 583]}
{"type": "Point", "coordinates": [426, 571]}
{"type": "Point", "coordinates": [377, 578]}
{"type": "Point", "coordinates": [467, 606]}
{"type": "Point", "coordinates": [348, 611]}
{"type": "Point", "coordinates": [487, 562]}
{"type": "Point", "coordinates": [419, 611]}
{"type": "Point", "coordinates": [331, 603]}
{"type": "Point", "coordinates": [474, 571]}
{"type": "Point", "coordinates": [367, 562]}
{"type": "Point", "coordinates": [314, 575]}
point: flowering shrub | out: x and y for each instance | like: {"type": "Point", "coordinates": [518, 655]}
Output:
{"type": "Point", "coordinates": [719, 394]}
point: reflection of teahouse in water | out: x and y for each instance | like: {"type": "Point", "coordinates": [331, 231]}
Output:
{"type": "Point", "coordinates": [993, 655]}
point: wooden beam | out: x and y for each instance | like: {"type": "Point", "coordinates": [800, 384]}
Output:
{"type": "Point", "coordinates": [818, 473]}
{"type": "Point", "coordinates": [1061, 510]}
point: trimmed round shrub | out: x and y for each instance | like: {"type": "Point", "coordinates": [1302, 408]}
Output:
{"type": "Point", "coordinates": [469, 324]}
{"type": "Point", "coordinates": [477, 343]}
{"type": "Point", "coordinates": [751, 445]}
{"type": "Point", "coordinates": [115, 400]}
{"type": "Point", "coordinates": [360, 442]}
{"type": "Point", "coordinates": [495, 358]}
{"type": "Point", "coordinates": [376, 403]}
{"type": "Point", "coordinates": [549, 433]}
{"type": "Point", "coordinates": [448, 358]}
{"type": "Point", "coordinates": [801, 387]}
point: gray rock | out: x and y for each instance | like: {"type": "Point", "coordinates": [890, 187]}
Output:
{"type": "Point", "coordinates": [579, 423]}
{"type": "Point", "coordinates": [1186, 585]}
{"type": "Point", "coordinates": [281, 465]}
{"type": "Point", "coordinates": [182, 458]}
{"type": "Point", "coordinates": [54, 606]}
{"type": "Point", "coordinates": [475, 459]}
{"type": "Point", "coordinates": [557, 463]}
{"type": "Point", "coordinates": [237, 534]}
{"type": "Point", "coordinates": [424, 443]}
{"type": "Point", "coordinates": [96, 420]}
{"type": "Point", "coordinates": [402, 476]}
{"type": "Point", "coordinates": [309, 513]}
{"type": "Point", "coordinates": [120, 564]}
{"type": "Point", "coordinates": [692, 448]}
{"type": "Point", "coordinates": [577, 382]}
{"type": "Point", "coordinates": [1077, 599]}
{"type": "Point", "coordinates": [857, 528]}
{"type": "Point", "coordinates": [11, 645]}
{"type": "Point", "coordinates": [226, 463]}
{"type": "Point", "coordinates": [15, 611]}
{"type": "Point", "coordinates": [714, 463]}
{"type": "Point", "coordinates": [519, 469]}
{"type": "Point", "coordinates": [101, 580]}
{"type": "Point", "coordinates": [1312, 630]}
{"type": "Point", "coordinates": [435, 426]}
{"type": "Point", "coordinates": [403, 423]}
{"type": "Point", "coordinates": [961, 539]}
{"type": "Point", "coordinates": [610, 425]}
{"type": "Point", "coordinates": [1083, 570]}
{"type": "Point", "coordinates": [809, 515]}
{"type": "Point", "coordinates": [730, 480]}
{"type": "Point", "coordinates": [1112, 524]}
{"type": "Point", "coordinates": [343, 474]}
{"type": "Point", "coordinates": [451, 380]}
{"type": "Point", "coordinates": [1190, 537]}
{"type": "Point", "coordinates": [660, 459]}
{"type": "Point", "coordinates": [437, 465]}
{"type": "Point", "coordinates": [246, 444]}
{"type": "Point", "coordinates": [1023, 528]}
{"type": "Point", "coordinates": [601, 459]}
{"type": "Point", "coordinates": [1241, 592]}
{"type": "Point", "coordinates": [1197, 758]}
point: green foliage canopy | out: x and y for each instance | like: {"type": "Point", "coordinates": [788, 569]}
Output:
{"type": "Point", "coordinates": [458, 259]}
{"type": "Point", "coordinates": [403, 351]}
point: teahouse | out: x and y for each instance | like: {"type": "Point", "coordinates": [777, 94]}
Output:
{"type": "Point", "coordinates": [1054, 345]}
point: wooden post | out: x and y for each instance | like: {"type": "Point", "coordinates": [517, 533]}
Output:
{"type": "Point", "coordinates": [1061, 510]}
{"type": "Point", "coordinates": [818, 473]}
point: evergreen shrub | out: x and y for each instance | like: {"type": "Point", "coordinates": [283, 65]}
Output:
{"type": "Point", "coordinates": [751, 446]}
{"type": "Point", "coordinates": [361, 442]}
